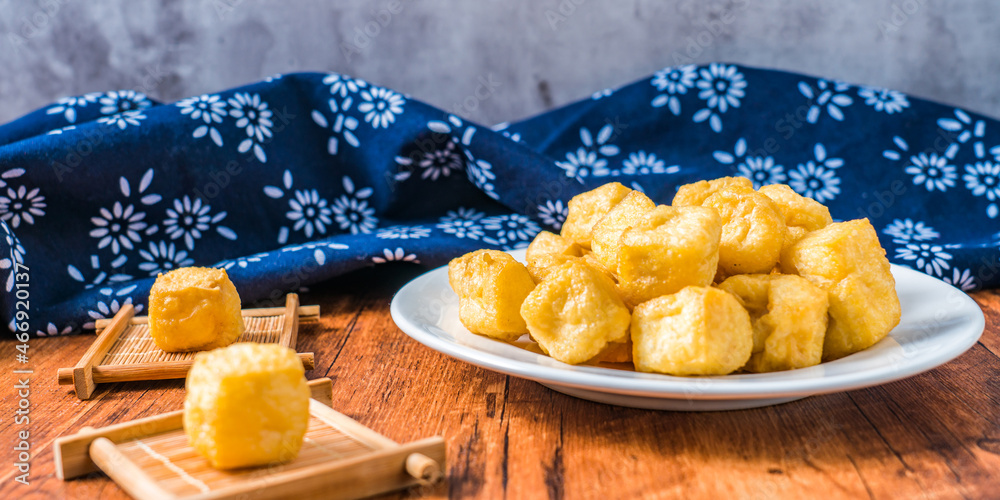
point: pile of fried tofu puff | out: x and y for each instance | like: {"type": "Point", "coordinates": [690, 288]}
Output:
{"type": "Point", "coordinates": [726, 278]}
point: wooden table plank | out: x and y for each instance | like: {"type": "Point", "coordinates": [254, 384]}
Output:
{"type": "Point", "coordinates": [936, 435]}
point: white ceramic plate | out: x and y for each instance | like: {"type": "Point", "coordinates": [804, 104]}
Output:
{"type": "Point", "coordinates": [939, 323]}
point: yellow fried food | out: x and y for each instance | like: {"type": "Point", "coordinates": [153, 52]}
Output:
{"type": "Point", "coordinates": [490, 286]}
{"type": "Point", "coordinates": [847, 261]}
{"type": "Point", "coordinates": [246, 405]}
{"type": "Point", "coordinates": [697, 192]}
{"type": "Point", "coordinates": [697, 331]}
{"type": "Point", "coordinates": [753, 231]}
{"type": "Point", "coordinates": [540, 267]}
{"type": "Point", "coordinates": [609, 229]}
{"type": "Point", "coordinates": [575, 312]}
{"type": "Point", "coordinates": [797, 210]}
{"type": "Point", "coordinates": [194, 309]}
{"type": "Point", "coordinates": [789, 318]}
{"type": "Point", "coordinates": [546, 243]}
{"type": "Point", "coordinates": [616, 352]}
{"type": "Point", "coordinates": [668, 249]}
{"type": "Point", "coordinates": [585, 209]}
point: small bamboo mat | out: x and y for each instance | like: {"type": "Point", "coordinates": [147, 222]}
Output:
{"type": "Point", "coordinates": [150, 458]}
{"type": "Point", "coordinates": [174, 465]}
{"type": "Point", "coordinates": [135, 345]}
{"type": "Point", "coordinates": [125, 352]}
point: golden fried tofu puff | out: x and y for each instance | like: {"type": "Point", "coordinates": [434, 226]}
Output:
{"type": "Point", "coordinates": [797, 210]}
{"type": "Point", "coordinates": [585, 209]}
{"type": "Point", "coordinates": [607, 231]}
{"type": "Point", "coordinates": [753, 231]}
{"type": "Point", "coordinates": [668, 249]}
{"type": "Point", "coordinates": [491, 286]}
{"type": "Point", "coordinates": [546, 243]}
{"type": "Point", "coordinates": [194, 309]}
{"type": "Point", "coordinates": [789, 318]}
{"type": "Point", "coordinates": [696, 193]}
{"type": "Point", "coordinates": [575, 313]}
{"type": "Point", "coordinates": [847, 261]}
{"type": "Point", "coordinates": [696, 331]}
{"type": "Point", "coordinates": [541, 266]}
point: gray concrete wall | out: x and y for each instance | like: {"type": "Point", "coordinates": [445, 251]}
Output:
{"type": "Point", "coordinates": [539, 54]}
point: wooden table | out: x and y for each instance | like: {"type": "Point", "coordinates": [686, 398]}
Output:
{"type": "Point", "coordinates": [936, 435]}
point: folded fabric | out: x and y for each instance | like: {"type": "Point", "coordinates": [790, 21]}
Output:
{"type": "Point", "coordinates": [303, 177]}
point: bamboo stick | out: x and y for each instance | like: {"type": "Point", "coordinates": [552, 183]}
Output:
{"type": "Point", "coordinates": [307, 314]}
{"type": "Point", "coordinates": [161, 370]}
{"type": "Point", "coordinates": [82, 375]}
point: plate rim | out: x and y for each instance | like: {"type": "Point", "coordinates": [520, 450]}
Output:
{"type": "Point", "coordinates": [661, 386]}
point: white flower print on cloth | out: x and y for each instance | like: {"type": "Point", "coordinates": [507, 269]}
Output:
{"type": "Point", "coordinates": [309, 212]}
{"type": "Point", "coordinates": [60, 131]}
{"type": "Point", "coordinates": [504, 130]}
{"type": "Point", "coordinates": [397, 255]}
{"type": "Point", "coordinates": [601, 94]}
{"type": "Point", "coordinates": [123, 224]}
{"type": "Point", "coordinates": [906, 230]}
{"type": "Point", "coordinates": [897, 154]}
{"type": "Point", "coordinates": [643, 163]}
{"type": "Point", "coordinates": [831, 95]}
{"type": "Point", "coordinates": [403, 233]}
{"type": "Point", "coordinates": [462, 223]}
{"type": "Point", "coordinates": [123, 120]}
{"type": "Point", "coordinates": [20, 204]}
{"type": "Point", "coordinates": [673, 82]}
{"type": "Point", "coordinates": [964, 129]}
{"type": "Point", "coordinates": [932, 171]}
{"type": "Point", "coordinates": [9, 262]}
{"type": "Point", "coordinates": [762, 170]}
{"type": "Point", "coordinates": [440, 162]}
{"type": "Point", "coordinates": [721, 87]}
{"type": "Point", "coordinates": [981, 178]}
{"type": "Point", "coordinates": [380, 106]}
{"type": "Point", "coordinates": [931, 259]}
{"type": "Point", "coordinates": [68, 105]}
{"type": "Point", "coordinates": [109, 305]}
{"type": "Point", "coordinates": [52, 330]}
{"type": "Point", "coordinates": [817, 178]}
{"type": "Point", "coordinates": [553, 213]}
{"type": "Point", "coordinates": [8, 174]}
{"type": "Point", "coordinates": [209, 109]}
{"type": "Point", "coordinates": [241, 262]}
{"type": "Point", "coordinates": [312, 214]}
{"type": "Point", "coordinates": [342, 125]}
{"type": "Point", "coordinates": [590, 160]}
{"type": "Point", "coordinates": [189, 219]}
{"type": "Point", "coordinates": [480, 172]}
{"type": "Point", "coordinates": [343, 85]}
{"type": "Point", "coordinates": [100, 275]}
{"type": "Point", "coordinates": [318, 249]}
{"type": "Point", "coordinates": [123, 101]}
{"type": "Point", "coordinates": [583, 164]}
{"type": "Point", "coordinates": [884, 100]}
{"type": "Point", "coordinates": [253, 116]}
{"type": "Point", "coordinates": [510, 231]}
{"type": "Point", "coordinates": [163, 257]}
{"type": "Point", "coordinates": [351, 209]}
{"type": "Point", "coordinates": [962, 280]}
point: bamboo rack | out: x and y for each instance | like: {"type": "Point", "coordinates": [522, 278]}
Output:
{"type": "Point", "coordinates": [125, 352]}
{"type": "Point", "coordinates": [150, 458]}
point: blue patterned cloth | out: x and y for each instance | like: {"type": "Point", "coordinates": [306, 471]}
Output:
{"type": "Point", "coordinates": [303, 177]}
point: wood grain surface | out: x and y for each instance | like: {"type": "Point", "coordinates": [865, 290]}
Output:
{"type": "Point", "coordinates": [935, 435]}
